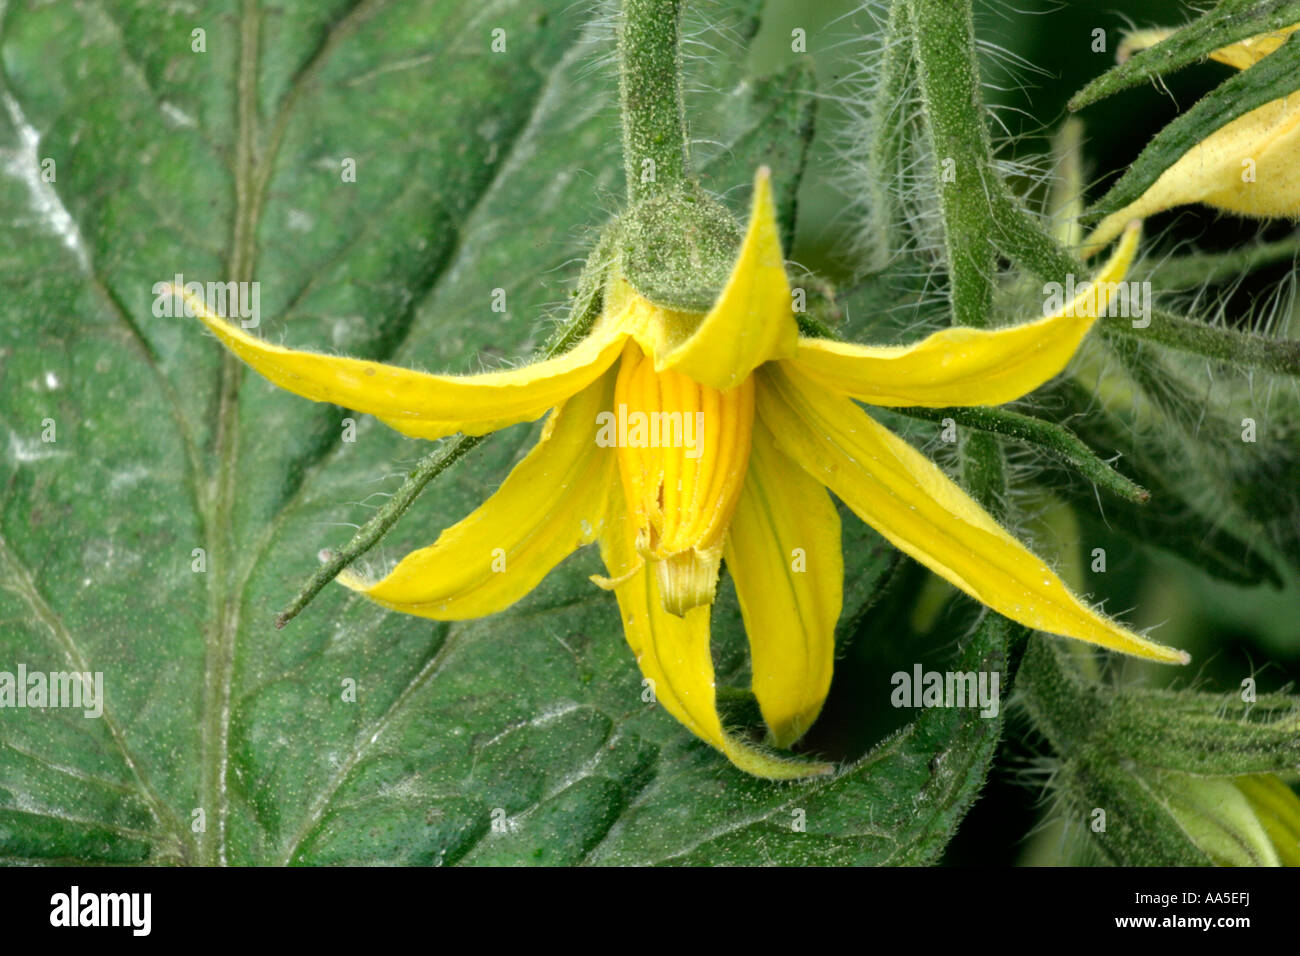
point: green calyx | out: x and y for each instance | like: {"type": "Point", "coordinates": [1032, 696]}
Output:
{"type": "Point", "coordinates": [676, 244]}
{"type": "Point", "coordinates": [677, 248]}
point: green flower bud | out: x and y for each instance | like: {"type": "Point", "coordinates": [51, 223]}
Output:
{"type": "Point", "coordinates": [678, 248]}
{"type": "Point", "coordinates": [1278, 809]}
{"type": "Point", "coordinates": [1236, 821]}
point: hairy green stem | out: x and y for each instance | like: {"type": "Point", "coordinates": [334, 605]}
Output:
{"type": "Point", "coordinates": [1207, 268]}
{"type": "Point", "coordinates": [959, 140]}
{"type": "Point", "coordinates": [1281, 356]}
{"type": "Point", "coordinates": [1055, 440]}
{"type": "Point", "coordinates": [887, 152]}
{"type": "Point", "coordinates": [1064, 706]}
{"type": "Point", "coordinates": [655, 154]}
{"type": "Point", "coordinates": [944, 47]}
{"type": "Point", "coordinates": [1024, 241]}
{"type": "Point", "coordinates": [950, 91]}
{"type": "Point", "coordinates": [429, 468]}
{"type": "Point", "coordinates": [984, 469]}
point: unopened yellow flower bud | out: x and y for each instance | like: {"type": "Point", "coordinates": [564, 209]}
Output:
{"type": "Point", "coordinates": [1246, 167]}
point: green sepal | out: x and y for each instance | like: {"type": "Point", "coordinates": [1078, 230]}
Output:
{"type": "Point", "coordinates": [1129, 825]}
{"type": "Point", "coordinates": [1228, 23]}
{"type": "Point", "coordinates": [677, 248]}
{"type": "Point", "coordinates": [1200, 733]}
{"type": "Point", "coordinates": [1272, 78]}
{"type": "Point", "coordinates": [1147, 773]}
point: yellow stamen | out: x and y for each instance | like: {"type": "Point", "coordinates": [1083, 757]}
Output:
{"type": "Point", "coordinates": [683, 449]}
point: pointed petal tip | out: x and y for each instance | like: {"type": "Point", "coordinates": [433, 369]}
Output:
{"type": "Point", "coordinates": [1162, 654]}
{"type": "Point", "coordinates": [752, 321]}
{"type": "Point", "coordinates": [1106, 232]}
{"type": "Point", "coordinates": [1129, 234]}
{"type": "Point", "coordinates": [1121, 260]}
{"type": "Point", "coordinates": [1125, 641]}
{"type": "Point", "coordinates": [762, 212]}
{"type": "Point", "coordinates": [353, 581]}
{"type": "Point", "coordinates": [820, 769]}
{"type": "Point", "coordinates": [758, 763]}
{"type": "Point", "coordinates": [194, 305]}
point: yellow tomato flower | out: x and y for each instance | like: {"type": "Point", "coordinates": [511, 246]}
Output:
{"type": "Point", "coordinates": [1251, 166]}
{"type": "Point", "coordinates": [778, 429]}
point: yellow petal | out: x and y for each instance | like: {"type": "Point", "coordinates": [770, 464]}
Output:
{"type": "Point", "coordinates": [673, 653]}
{"type": "Point", "coordinates": [417, 403]}
{"type": "Point", "coordinates": [1247, 167]}
{"type": "Point", "coordinates": [912, 503]}
{"type": "Point", "coordinates": [552, 503]}
{"type": "Point", "coordinates": [967, 366]}
{"type": "Point", "coordinates": [682, 463]}
{"type": "Point", "coordinates": [753, 320]}
{"type": "Point", "coordinates": [1250, 51]}
{"type": "Point", "coordinates": [784, 555]}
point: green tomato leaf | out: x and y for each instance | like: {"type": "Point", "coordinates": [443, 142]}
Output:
{"type": "Point", "coordinates": [413, 183]}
